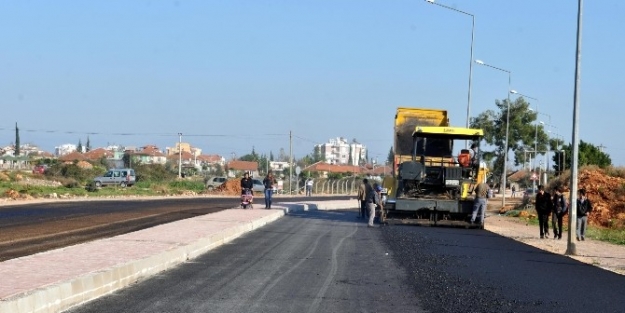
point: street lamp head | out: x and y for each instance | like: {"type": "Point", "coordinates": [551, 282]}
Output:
{"type": "Point", "coordinates": [530, 109]}
{"type": "Point", "coordinates": [429, 1]}
{"type": "Point", "coordinates": [480, 62]}
{"type": "Point", "coordinates": [542, 122]}
{"type": "Point", "coordinates": [514, 92]}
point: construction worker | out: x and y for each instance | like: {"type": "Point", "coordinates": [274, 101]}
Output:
{"type": "Point", "coordinates": [362, 197]}
{"type": "Point", "coordinates": [479, 203]}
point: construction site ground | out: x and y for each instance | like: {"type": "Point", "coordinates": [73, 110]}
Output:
{"type": "Point", "coordinates": [598, 253]}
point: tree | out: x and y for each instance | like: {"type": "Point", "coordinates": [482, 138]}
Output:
{"type": "Point", "coordinates": [524, 133]}
{"type": "Point", "coordinates": [271, 156]}
{"type": "Point", "coordinates": [263, 165]}
{"type": "Point", "coordinates": [250, 157]}
{"type": "Point", "coordinates": [350, 161]}
{"type": "Point", "coordinates": [317, 155]}
{"type": "Point", "coordinates": [391, 156]}
{"type": "Point", "coordinates": [219, 171]}
{"type": "Point", "coordinates": [88, 145]}
{"type": "Point", "coordinates": [282, 156]}
{"type": "Point", "coordinates": [17, 140]}
{"type": "Point", "coordinates": [79, 147]}
{"type": "Point", "coordinates": [588, 154]}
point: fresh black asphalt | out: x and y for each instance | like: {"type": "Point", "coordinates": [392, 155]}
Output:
{"type": "Point", "coordinates": [331, 262]}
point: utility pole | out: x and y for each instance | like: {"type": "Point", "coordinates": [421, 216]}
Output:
{"type": "Point", "coordinates": [179, 155]}
{"type": "Point", "coordinates": [570, 247]}
{"type": "Point", "coordinates": [290, 162]}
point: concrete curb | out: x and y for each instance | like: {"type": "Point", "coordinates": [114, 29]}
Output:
{"type": "Point", "coordinates": [291, 207]}
{"type": "Point", "coordinates": [64, 295]}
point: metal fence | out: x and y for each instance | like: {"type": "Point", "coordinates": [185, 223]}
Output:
{"type": "Point", "coordinates": [326, 186]}
{"type": "Point", "coordinates": [343, 186]}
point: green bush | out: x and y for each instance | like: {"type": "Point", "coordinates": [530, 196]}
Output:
{"type": "Point", "coordinates": [82, 176]}
{"type": "Point", "coordinates": [196, 186]}
{"type": "Point", "coordinates": [153, 172]}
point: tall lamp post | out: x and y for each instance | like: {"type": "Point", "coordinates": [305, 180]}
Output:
{"type": "Point", "coordinates": [570, 247]}
{"type": "Point", "coordinates": [470, 60]}
{"type": "Point", "coordinates": [505, 152]}
{"type": "Point", "coordinates": [179, 155]}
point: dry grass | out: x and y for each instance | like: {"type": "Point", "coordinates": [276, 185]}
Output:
{"type": "Point", "coordinates": [615, 171]}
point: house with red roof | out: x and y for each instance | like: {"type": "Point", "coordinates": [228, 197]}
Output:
{"type": "Point", "coordinates": [97, 154]}
{"type": "Point", "coordinates": [150, 154]}
{"type": "Point", "coordinates": [72, 156]}
{"type": "Point", "coordinates": [237, 168]}
{"type": "Point", "coordinates": [323, 169]}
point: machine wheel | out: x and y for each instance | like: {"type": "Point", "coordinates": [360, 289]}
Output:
{"type": "Point", "coordinates": [210, 188]}
{"type": "Point", "coordinates": [98, 184]}
{"type": "Point", "coordinates": [122, 184]}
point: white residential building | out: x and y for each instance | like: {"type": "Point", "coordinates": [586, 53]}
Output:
{"type": "Point", "coordinates": [338, 151]}
{"type": "Point", "coordinates": [277, 166]}
{"type": "Point", "coordinates": [64, 149]}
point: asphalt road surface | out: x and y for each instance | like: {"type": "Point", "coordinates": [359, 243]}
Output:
{"type": "Point", "coordinates": [331, 262]}
{"type": "Point", "coordinates": [31, 228]}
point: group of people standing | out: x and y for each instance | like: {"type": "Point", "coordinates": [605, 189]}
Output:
{"type": "Point", "coordinates": [557, 207]}
{"type": "Point", "coordinates": [370, 198]}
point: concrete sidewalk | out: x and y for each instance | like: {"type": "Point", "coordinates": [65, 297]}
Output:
{"type": "Point", "coordinates": [56, 280]}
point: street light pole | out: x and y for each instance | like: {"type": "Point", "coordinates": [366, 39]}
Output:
{"type": "Point", "coordinates": [466, 143]}
{"type": "Point", "coordinates": [505, 152]}
{"type": "Point", "coordinates": [179, 155]}
{"type": "Point", "coordinates": [570, 249]}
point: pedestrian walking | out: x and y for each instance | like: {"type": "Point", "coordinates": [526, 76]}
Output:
{"type": "Point", "coordinates": [513, 191]}
{"type": "Point", "coordinates": [479, 203]}
{"type": "Point", "coordinates": [362, 197]}
{"type": "Point", "coordinates": [560, 208]}
{"type": "Point", "coordinates": [269, 182]}
{"type": "Point", "coordinates": [584, 207]}
{"type": "Point", "coordinates": [543, 206]}
{"type": "Point", "coordinates": [309, 186]}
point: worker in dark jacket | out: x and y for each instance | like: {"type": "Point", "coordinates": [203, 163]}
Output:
{"type": "Point", "coordinates": [544, 206]}
{"type": "Point", "coordinates": [584, 207]}
{"type": "Point", "coordinates": [560, 208]}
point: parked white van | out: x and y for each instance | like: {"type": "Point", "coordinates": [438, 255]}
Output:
{"type": "Point", "coordinates": [117, 176]}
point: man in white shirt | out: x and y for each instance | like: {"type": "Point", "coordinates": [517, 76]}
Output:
{"type": "Point", "coordinates": [309, 185]}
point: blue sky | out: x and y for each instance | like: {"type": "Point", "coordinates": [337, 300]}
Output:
{"type": "Point", "coordinates": [230, 75]}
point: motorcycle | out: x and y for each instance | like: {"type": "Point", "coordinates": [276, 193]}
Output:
{"type": "Point", "coordinates": [247, 199]}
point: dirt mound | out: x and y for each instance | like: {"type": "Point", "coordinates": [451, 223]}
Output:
{"type": "Point", "coordinates": [230, 187]}
{"type": "Point", "coordinates": [606, 193]}
{"type": "Point", "coordinates": [12, 194]}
